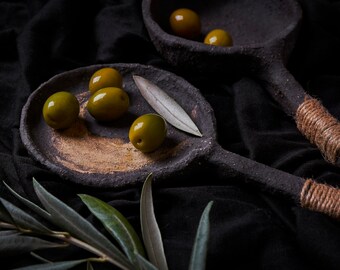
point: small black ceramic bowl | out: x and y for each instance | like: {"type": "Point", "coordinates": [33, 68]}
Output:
{"type": "Point", "coordinates": [261, 30]}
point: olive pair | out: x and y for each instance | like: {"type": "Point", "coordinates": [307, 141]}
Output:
{"type": "Point", "coordinates": [109, 102]}
{"type": "Point", "coordinates": [186, 23]}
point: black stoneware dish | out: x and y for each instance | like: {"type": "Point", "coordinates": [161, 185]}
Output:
{"type": "Point", "coordinates": [100, 155]}
{"type": "Point", "coordinates": [264, 33]}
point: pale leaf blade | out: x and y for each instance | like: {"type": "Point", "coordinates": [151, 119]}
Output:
{"type": "Point", "coordinates": [53, 266]}
{"type": "Point", "coordinates": [116, 224]}
{"type": "Point", "coordinates": [18, 244]}
{"type": "Point", "coordinates": [166, 106]}
{"type": "Point", "coordinates": [150, 231]}
{"type": "Point", "coordinates": [69, 220]}
{"type": "Point", "coordinates": [199, 252]}
{"type": "Point", "coordinates": [145, 264]}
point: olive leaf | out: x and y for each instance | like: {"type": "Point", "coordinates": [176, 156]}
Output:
{"type": "Point", "coordinates": [68, 219]}
{"type": "Point", "coordinates": [40, 258]}
{"type": "Point", "coordinates": [199, 252]}
{"type": "Point", "coordinates": [22, 219]}
{"type": "Point", "coordinates": [144, 264]}
{"type": "Point", "coordinates": [166, 106]}
{"type": "Point", "coordinates": [15, 244]}
{"type": "Point", "coordinates": [8, 232]}
{"type": "Point", "coordinates": [53, 266]}
{"type": "Point", "coordinates": [89, 266]}
{"type": "Point", "coordinates": [29, 204]}
{"type": "Point", "coordinates": [5, 216]}
{"type": "Point", "coordinates": [150, 231]}
{"type": "Point", "coordinates": [116, 224]}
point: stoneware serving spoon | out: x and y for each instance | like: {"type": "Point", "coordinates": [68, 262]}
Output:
{"type": "Point", "coordinates": [100, 154]}
{"type": "Point", "coordinates": [264, 34]}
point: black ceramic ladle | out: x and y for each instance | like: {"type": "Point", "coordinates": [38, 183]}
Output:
{"type": "Point", "coordinates": [264, 34]}
{"type": "Point", "coordinates": [100, 155]}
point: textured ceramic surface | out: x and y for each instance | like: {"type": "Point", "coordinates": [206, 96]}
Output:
{"type": "Point", "coordinates": [99, 154]}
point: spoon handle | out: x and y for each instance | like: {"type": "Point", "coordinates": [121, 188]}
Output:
{"type": "Point", "coordinates": [311, 117]}
{"type": "Point", "coordinates": [305, 192]}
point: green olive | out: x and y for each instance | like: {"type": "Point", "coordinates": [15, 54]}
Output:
{"type": "Point", "coordinates": [148, 132]}
{"type": "Point", "coordinates": [61, 110]}
{"type": "Point", "coordinates": [108, 104]}
{"type": "Point", "coordinates": [218, 37]}
{"type": "Point", "coordinates": [105, 77]}
{"type": "Point", "coordinates": [185, 23]}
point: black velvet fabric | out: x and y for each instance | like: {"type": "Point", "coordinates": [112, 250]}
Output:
{"type": "Point", "coordinates": [250, 228]}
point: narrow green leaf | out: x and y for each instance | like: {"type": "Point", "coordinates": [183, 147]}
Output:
{"type": "Point", "coordinates": [29, 204]}
{"type": "Point", "coordinates": [8, 232]}
{"type": "Point", "coordinates": [22, 219]}
{"type": "Point", "coordinates": [166, 106]}
{"type": "Point", "coordinates": [199, 251]}
{"type": "Point", "coordinates": [17, 244]}
{"type": "Point", "coordinates": [5, 216]}
{"type": "Point", "coordinates": [89, 266]}
{"type": "Point", "coordinates": [69, 220]}
{"type": "Point", "coordinates": [144, 264]}
{"type": "Point", "coordinates": [38, 257]}
{"type": "Point", "coordinates": [116, 224]}
{"type": "Point", "coordinates": [150, 231]}
{"type": "Point", "coordinates": [53, 266]}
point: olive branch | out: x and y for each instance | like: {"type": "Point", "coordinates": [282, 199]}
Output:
{"type": "Point", "coordinates": [22, 233]}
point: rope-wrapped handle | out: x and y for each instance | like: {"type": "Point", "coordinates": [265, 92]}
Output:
{"type": "Point", "coordinates": [320, 127]}
{"type": "Point", "coordinates": [321, 198]}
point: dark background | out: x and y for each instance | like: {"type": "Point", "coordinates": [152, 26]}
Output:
{"type": "Point", "coordinates": [250, 229]}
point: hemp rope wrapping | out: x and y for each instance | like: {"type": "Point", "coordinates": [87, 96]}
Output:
{"type": "Point", "coordinates": [320, 127]}
{"type": "Point", "coordinates": [321, 198]}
